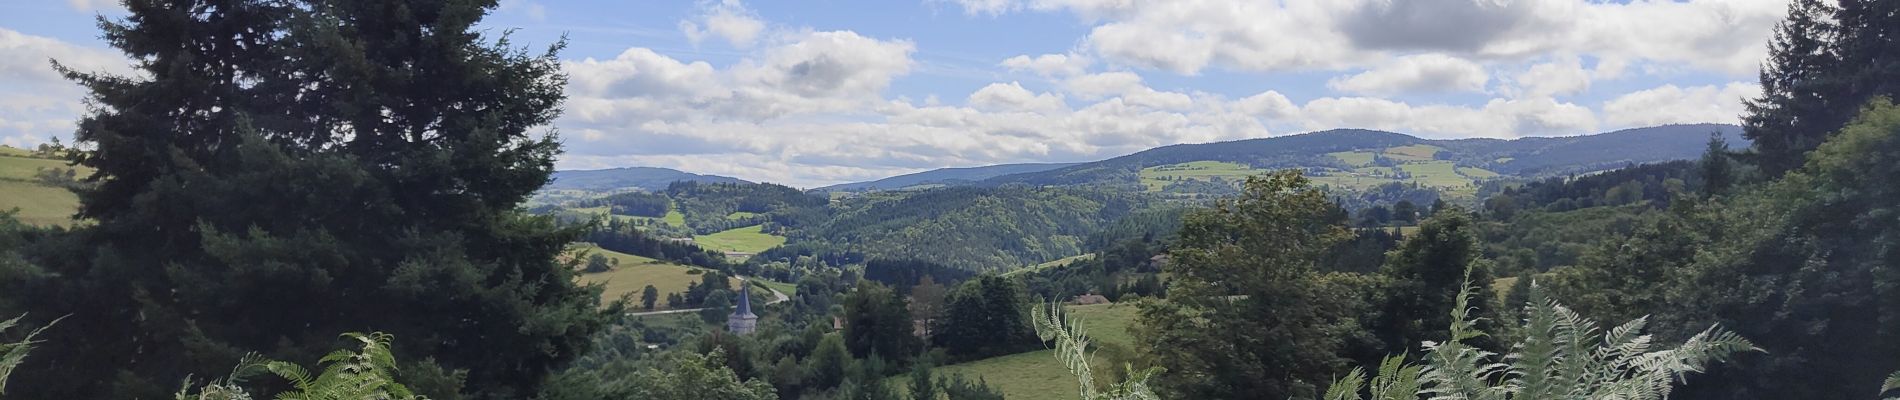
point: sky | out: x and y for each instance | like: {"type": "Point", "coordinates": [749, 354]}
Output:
{"type": "Point", "coordinates": [808, 93]}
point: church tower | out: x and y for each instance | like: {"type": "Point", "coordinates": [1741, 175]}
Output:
{"type": "Point", "coordinates": [742, 321]}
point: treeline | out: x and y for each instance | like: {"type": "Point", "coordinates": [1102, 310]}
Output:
{"type": "Point", "coordinates": [624, 237]}
{"type": "Point", "coordinates": [975, 228]}
{"type": "Point", "coordinates": [708, 207]}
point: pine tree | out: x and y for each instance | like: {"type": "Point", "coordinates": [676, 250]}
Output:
{"type": "Point", "coordinates": [1718, 172]}
{"type": "Point", "coordinates": [1803, 89]}
{"type": "Point", "coordinates": [284, 171]}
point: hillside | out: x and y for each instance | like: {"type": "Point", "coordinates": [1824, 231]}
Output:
{"type": "Point", "coordinates": [944, 176]}
{"type": "Point", "coordinates": [1372, 156]}
{"type": "Point", "coordinates": [39, 202]}
{"type": "Point", "coordinates": [647, 178]}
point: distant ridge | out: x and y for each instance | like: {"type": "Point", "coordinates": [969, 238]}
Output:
{"type": "Point", "coordinates": [647, 178]}
{"type": "Point", "coordinates": [947, 176]}
{"type": "Point", "coordinates": [1528, 156]}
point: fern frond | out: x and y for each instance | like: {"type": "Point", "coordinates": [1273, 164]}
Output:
{"type": "Point", "coordinates": [13, 354]}
{"type": "Point", "coordinates": [1347, 387]}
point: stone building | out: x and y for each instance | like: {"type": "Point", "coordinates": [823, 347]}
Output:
{"type": "Point", "coordinates": [742, 321]}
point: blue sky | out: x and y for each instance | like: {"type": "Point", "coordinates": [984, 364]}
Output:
{"type": "Point", "coordinates": [817, 92]}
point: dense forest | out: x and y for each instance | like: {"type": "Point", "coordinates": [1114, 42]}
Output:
{"type": "Point", "coordinates": [414, 268]}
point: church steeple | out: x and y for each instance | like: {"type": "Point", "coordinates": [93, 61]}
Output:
{"type": "Point", "coordinates": [742, 321]}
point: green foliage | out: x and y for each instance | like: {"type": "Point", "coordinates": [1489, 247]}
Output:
{"type": "Point", "coordinates": [984, 317]}
{"type": "Point", "coordinates": [280, 172]}
{"type": "Point", "coordinates": [1072, 348]}
{"type": "Point", "coordinates": [1425, 275]}
{"type": "Point", "coordinates": [957, 388]}
{"type": "Point", "coordinates": [1562, 355]}
{"type": "Point", "coordinates": [1249, 315]}
{"type": "Point", "coordinates": [1807, 266]}
{"type": "Point", "coordinates": [12, 354]}
{"type": "Point", "coordinates": [368, 374]}
{"type": "Point", "coordinates": [678, 375]}
{"type": "Point", "coordinates": [973, 228]}
{"type": "Point", "coordinates": [876, 322]}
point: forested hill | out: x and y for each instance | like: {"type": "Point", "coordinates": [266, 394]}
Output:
{"type": "Point", "coordinates": [1544, 156]}
{"type": "Point", "coordinates": [647, 178]}
{"type": "Point", "coordinates": [946, 176]}
{"type": "Point", "coordinates": [1534, 156]}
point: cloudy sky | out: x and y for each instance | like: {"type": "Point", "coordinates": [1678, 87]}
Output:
{"type": "Point", "coordinates": [816, 92]}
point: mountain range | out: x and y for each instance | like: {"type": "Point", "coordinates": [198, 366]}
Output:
{"type": "Point", "coordinates": [1339, 153]}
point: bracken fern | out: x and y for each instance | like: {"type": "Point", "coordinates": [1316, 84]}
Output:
{"type": "Point", "coordinates": [1563, 356]}
{"type": "Point", "coordinates": [1071, 347]}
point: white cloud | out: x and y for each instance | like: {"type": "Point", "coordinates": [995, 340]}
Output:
{"type": "Point", "coordinates": [36, 102]}
{"type": "Point", "coordinates": [728, 20]}
{"type": "Point", "coordinates": [1498, 118]}
{"type": "Point", "coordinates": [1426, 73]}
{"type": "Point", "coordinates": [1561, 77]}
{"type": "Point", "coordinates": [94, 5]}
{"type": "Point", "coordinates": [1005, 97]}
{"type": "Point", "coordinates": [1049, 65]}
{"type": "Point", "coordinates": [1187, 36]}
{"type": "Point", "coordinates": [987, 7]}
{"type": "Point", "coordinates": [1099, 85]}
{"type": "Point", "coordinates": [1669, 104]}
{"type": "Point", "coordinates": [838, 63]}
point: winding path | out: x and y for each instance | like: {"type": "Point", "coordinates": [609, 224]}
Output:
{"type": "Point", "coordinates": [778, 297]}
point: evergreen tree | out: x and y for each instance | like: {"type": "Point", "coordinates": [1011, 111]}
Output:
{"type": "Point", "coordinates": [648, 296]}
{"type": "Point", "coordinates": [1248, 315]}
{"type": "Point", "coordinates": [1718, 172]}
{"type": "Point", "coordinates": [876, 323]}
{"type": "Point", "coordinates": [921, 385]}
{"type": "Point", "coordinates": [1425, 275]}
{"type": "Point", "coordinates": [1807, 266]}
{"type": "Point", "coordinates": [280, 172]}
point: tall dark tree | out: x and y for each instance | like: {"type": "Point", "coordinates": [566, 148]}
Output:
{"type": "Point", "coordinates": [877, 323]}
{"type": "Point", "coordinates": [1824, 63]}
{"type": "Point", "coordinates": [1809, 267]}
{"type": "Point", "coordinates": [983, 317]}
{"type": "Point", "coordinates": [1425, 274]}
{"type": "Point", "coordinates": [1717, 170]}
{"type": "Point", "coordinates": [1249, 316]}
{"type": "Point", "coordinates": [280, 172]}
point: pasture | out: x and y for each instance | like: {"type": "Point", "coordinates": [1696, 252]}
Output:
{"type": "Point", "coordinates": [635, 272]}
{"type": "Point", "coordinates": [748, 239]}
{"type": "Point", "coordinates": [39, 204]}
{"type": "Point", "coordinates": [1158, 177]}
{"type": "Point", "coordinates": [1037, 374]}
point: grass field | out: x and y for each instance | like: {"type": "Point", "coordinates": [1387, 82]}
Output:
{"type": "Point", "coordinates": [781, 287]}
{"type": "Point", "coordinates": [1152, 177]}
{"type": "Point", "coordinates": [1353, 158]}
{"type": "Point", "coordinates": [635, 272]}
{"type": "Point", "coordinates": [1052, 264]}
{"type": "Point", "coordinates": [1476, 173]}
{"type": "Point", "coordinates": [39, 204]}
{"type": "Point", "coordinates": [1417, 152]}
{"type": "Point", "coordinates": [1037, 374]}
{"type": "Point", "coordinates": [11, 151]}
{"type": "Point", "coordinates": [737, 215]}
{"type": "Point", "coordinates": [750, 239]}
{"type": "Point", "coordinates": [1436, 173]}
{"type": "Point", "coordinates": [674, 217]}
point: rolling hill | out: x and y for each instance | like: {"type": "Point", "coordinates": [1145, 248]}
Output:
{"type": "Point", "coordinates": [944, 176]}
{"type": "Point", "coordinates": [1348, 150]}
{"type": "Point", "coordinates": [647, 178]}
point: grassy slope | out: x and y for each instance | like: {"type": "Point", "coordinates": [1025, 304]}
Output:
{"type": "Point", "coordinates": [1037, 374]}
{"type": "Point", "coordinates": [1417, 152]}
{"type": "Point", "coordinates": [1353, 158]}
{"type": "Point", "coordinates": [1052, 264]}
{"type": "Point", "coordinates": [1197, 170]}
{"type": "Point", "coordinates": [636, 272]}
{"type": "Point", "coordinates": [750, 239]}
{"type": "Point", "coordinates": [39, 204]}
